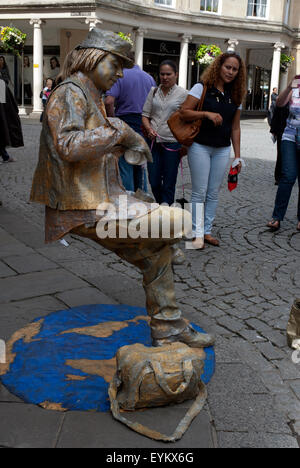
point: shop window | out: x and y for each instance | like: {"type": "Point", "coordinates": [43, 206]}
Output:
{"type": "Point", "coordinates": [257, 8]}
{"type": "Point", "coordinates": [210, 6]}
{"type": "Point", "coordinates": [167, 3]}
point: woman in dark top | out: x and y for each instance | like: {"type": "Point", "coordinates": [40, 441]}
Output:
{"type": "Point", "coordinates": [4, 72]}
{"type": "Point", "coordinates": [10, 125]}
{"type": "Point", "coordinates": [209, 155]}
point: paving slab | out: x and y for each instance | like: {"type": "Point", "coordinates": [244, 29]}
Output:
{"type": "Point", "coordinates": [30, 263]}
{"type": "Point", "coordinates": [5, 271]}
{"type": "Point", "coordinates": [100, 430]}
{"type": "Point", "coordinates": [239, 440]}
{"type": "Point", "coordinates": [38, 284]}
{"type": "Point", "coordinates": [15, 315]}
{"type": "Point", "coordinates": [28, 426]}
{"type": "Point", "coordinates": [246, 412]}
{"type": "Point", "coordinates": [84, 296]}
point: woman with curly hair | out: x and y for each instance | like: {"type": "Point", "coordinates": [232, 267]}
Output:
{"type": "Point", "coordinates": [225, 81]}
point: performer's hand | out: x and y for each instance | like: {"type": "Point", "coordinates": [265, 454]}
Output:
{"type": "Point", "coordinates": [137, 145]}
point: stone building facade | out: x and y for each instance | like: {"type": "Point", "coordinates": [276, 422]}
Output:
{"type": "Point", "coordinates": [259, 30]}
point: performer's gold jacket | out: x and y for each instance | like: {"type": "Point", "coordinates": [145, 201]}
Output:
{"type": "Point", "coordinates": [79, 150]}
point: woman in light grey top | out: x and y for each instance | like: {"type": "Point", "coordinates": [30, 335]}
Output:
{"type": "Point", "coordinates": [161, 103]}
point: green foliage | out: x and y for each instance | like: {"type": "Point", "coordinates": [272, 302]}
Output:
{"type": "Point", "coordinates": [285, 62]}
{"type": "Point", "coordinates": [126, 37]}
{"type": "Point", "coordinates": [12, 40]}
{"type": "Point", "coordinates": [206, 54]}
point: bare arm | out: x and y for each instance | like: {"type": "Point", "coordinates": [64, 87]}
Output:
{"type": "Point", "coordinates": [236, 136]}
{"type": "Point", "coordinates": [110, 106]}
{"type": "Point", "coordinates": [285, 97]}
{"type": "Point", "coordinates": [189, 113]}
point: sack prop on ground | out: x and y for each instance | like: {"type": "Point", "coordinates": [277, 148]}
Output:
{"type": "Point", "coordinates": [293, 328]}
{"type": "Point", "coordinates": [153, 377]}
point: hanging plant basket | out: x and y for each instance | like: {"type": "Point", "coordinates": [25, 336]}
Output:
{"type": "Point", "coordinates": [285, 62]}
{"type": "Point", "coordinates": [12, 40]}
{"type": "Point", "coordinates": [126, 37]}
{"type": "Point", "coordinates": [206, 54]}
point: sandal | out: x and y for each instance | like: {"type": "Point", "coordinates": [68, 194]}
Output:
{"type": "Point", "coordinates": [211, 240]}
{"type": "Point", "coordinates": [274, 225]}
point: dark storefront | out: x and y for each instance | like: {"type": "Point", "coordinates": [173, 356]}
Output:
{"type": "Point", "coordinates": [156, 52]}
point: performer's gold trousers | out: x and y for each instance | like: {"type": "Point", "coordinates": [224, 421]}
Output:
{"type": "Point", "coordinates": [153, 256]}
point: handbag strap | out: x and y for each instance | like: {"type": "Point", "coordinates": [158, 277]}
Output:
{"type": "Point", "coordinates": [160, 378]}
{"type": "Point", "coordinates": [182, 427]}
{"type": "Point", "coordinates": [201, 101]}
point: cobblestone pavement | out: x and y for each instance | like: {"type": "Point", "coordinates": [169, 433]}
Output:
{"type": "Point", "coordinates": [242, 291]}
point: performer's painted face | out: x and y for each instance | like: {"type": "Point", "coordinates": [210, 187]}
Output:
{"type": "Point", "coordinates": [107, 72]}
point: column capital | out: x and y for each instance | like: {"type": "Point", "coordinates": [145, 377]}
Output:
{"type": "Point", "coordinates": [279, 46]}
{"type": "Point", "coordinates": [185, 37]}
{"type": "Point", "coordinates": [93, 22]}
{"type": "Point", "coordinates": [37, 22]}
{"type": "Point", "coordinates": [140, 31]}
{"type": "Point", "coordinates": [232, 44]}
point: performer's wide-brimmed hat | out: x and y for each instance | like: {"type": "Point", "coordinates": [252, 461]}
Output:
{"type": "Point", "coordinates": [109, 42]}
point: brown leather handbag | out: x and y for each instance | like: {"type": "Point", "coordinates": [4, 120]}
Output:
{"type": "Point", "coordinates": [183, 131]}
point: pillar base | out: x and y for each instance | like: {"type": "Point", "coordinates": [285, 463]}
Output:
{"type": "Point", "coordinates": [35, 114]}
{"type": "Point", "coordinates": [22, 111]}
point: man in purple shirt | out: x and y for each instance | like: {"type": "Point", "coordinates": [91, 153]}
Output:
{"type": "Point", "coordinates": [126, 100]}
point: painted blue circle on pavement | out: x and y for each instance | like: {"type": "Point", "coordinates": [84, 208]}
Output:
{"type": "Point", "coordinates": [66, 359]}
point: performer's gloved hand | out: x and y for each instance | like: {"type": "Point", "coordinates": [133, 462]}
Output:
{"type": "Point", "coordinates": [138, 152]}
{"type": "Point", "coordinates": [136, 149]}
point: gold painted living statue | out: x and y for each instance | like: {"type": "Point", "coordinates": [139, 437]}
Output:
{"type": "Point", "coordinates": [77, 179]}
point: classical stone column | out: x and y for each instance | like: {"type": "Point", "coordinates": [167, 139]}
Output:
{"type": "Point", "coordinates": [276, 66]}
{"type": "Point", "coordinates": [232, 45]}
{"type": "Point", "coordinates": [298, 59]}
{"type": "Point", "coordinates": [93, 22]}
{"type": "Point", "coordinates": [183, 62]}
{"type": "Point", "coordinates": [139, 46]}
{"type": "Point", "coordinates": [37, 65]}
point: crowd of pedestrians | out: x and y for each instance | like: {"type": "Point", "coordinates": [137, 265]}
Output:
{"type": "Point", "coordinates": [146, 107]}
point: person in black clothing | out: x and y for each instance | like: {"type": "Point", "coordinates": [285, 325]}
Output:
{"type": "Point", "coordinates": [10, 125]}
{"type": "Point", "coordinates": [278, 124]}
{"type": "Point", "coordinates": [4, 71]}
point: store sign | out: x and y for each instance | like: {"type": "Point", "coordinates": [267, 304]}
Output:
{"type": "Point", "coordinates": [80, 13]}
{"type": "Point", "coordinates": [161, 47]}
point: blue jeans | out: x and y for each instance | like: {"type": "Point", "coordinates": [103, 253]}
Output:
{"type": "Point", "coordinates": [133, 177]}
{"type": "Point", "coordinates": [289, 173]}
{"type": "Point", "coordinates": [163, 171]}
{"type": "Point", "coordinates": [207, 166]}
